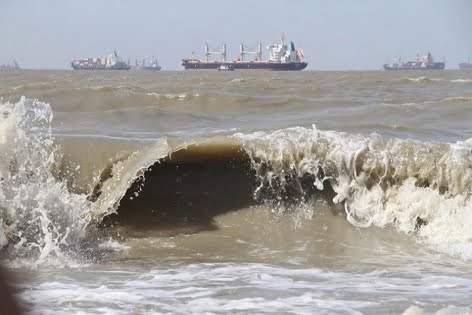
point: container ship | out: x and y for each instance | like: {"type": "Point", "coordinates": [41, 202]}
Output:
{"type": "Point", "coordinates": [150, 64]}
{"type": "Point", "coordinates": [111, 62]}
{"type": "Point", "coordinates": [466, 65]}
{"type": "Point", "coordinates": [282, 57]}
{"type": "Point", "coordinates": [425, 63]}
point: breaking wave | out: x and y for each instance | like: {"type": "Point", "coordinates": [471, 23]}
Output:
{"type": "Point", "coordinates": [456, 99]}
{"type": "Point", "coordinates": [422, 189]}
{"type": "Point", "coordinates": [419, 188]}
{"type": "Point", "coordinates": [423, 80]}
{"type": "Point", "coordinates": [452, 100]}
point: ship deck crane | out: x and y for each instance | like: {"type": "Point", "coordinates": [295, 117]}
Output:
{"type": "Point", "coordinates": [257, 52]}
{"type": "Point", "coordinates": [221, 52]}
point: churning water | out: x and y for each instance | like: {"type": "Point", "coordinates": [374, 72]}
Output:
{"type": "Point", "coordinates": [237, 193]}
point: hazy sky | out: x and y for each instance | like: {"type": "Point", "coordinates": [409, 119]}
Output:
{"type": "Point", "coordinates": [334, 34]}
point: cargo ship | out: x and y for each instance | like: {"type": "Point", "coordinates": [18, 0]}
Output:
{"type": "Point", "coordinates": [150, 64]}
{"type": "Point", "coordinates": [425, 63]}
{"type": "Point", "coordinates": [282, 57]}
{"type": "Point", "coordinates": [466, 65]}
{"type": "Point", "coordinates": [10, 66]}
{"type": "Point", "coordinates": [111, 62]}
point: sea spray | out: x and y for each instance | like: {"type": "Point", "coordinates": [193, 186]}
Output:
{"type": "Point", "coordinates": [40, 219]}
{"type": "Point", "coordinates": [420, 188]}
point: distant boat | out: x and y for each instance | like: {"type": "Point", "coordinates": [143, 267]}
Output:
{"type": "Point", "coordinates": [13, 65]}
{"type": "Point", "coordinates": [425, 63]}
{"type": "Point", "coordinates": [151, 64]}
{"type": "Point", "coordinates": [226, 67]}
{"type": "Point", "coordinates": [111, 62]}
{"type": "Point", "coordinates": [466, 65]}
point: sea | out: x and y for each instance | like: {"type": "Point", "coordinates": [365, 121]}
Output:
{"type": "Point", "coordinates": [239, 192]}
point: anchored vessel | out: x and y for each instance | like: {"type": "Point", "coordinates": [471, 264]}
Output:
{"type": "Point", "coordinates": [13, 65]}
{"type": "Point", "coordinates": [111, 62]}
{"type": "Point", "coordinates": [466, 65]}
{"type": "Point", "coordinates": [282, 57]}
{"type": "Point", "coordinates": [150, 64]}
{"type": "Point", "coordinates": [425, 63]}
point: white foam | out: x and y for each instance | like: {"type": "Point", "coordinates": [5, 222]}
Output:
{"type": "Point", "coordinates": [422, 79]}
{"type": "Point", "coordinates": [216, 288]}
{"type": "Point", "coordinates": [179, 97]}
{"type": "Point", "coordinates": [461, 80]}
{"type": "Point", "coordinates": [39, 217]}
{"type": "Point", "coordinates": [413, 310]}
{"type": "Point", "coordinates": [382, 182]}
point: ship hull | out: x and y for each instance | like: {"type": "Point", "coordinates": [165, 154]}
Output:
{"type": "Point", "coordinates": [149, 68]}
{"type": "Point", "coordinates": [435, 66]}
{"type": "Point", "coordinates": [99, 68]}
{"type": "Point", "coordinates": [272, 66]}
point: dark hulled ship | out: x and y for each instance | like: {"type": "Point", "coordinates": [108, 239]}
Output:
{"type": "Point", "coordinates": [425, 63]}
{"type": "Point", "coordinates": [282, 57]}
{"type": "Point", "coordinates": [466, 65]}
{"type": "Point", "coordinates": [111, 62]}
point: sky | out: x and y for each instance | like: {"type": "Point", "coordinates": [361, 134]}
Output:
{"type": "Point", "coordinates": [334, 34]}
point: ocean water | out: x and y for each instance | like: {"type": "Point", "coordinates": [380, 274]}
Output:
{"type": "Point", "coordinates": [237, 193]}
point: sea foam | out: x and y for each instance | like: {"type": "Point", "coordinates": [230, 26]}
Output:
{"type": "Point", "coordinates": [40, 219]}
{"type": "Point", "coordinates": [422, 189]}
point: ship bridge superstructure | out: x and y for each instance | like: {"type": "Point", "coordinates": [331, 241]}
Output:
{"type": "Point", "coordinates": [112, 59]}
{"type": "Point", "coordinates": [282, 53]}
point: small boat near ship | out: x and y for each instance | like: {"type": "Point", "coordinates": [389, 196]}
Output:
{"type": "Point", "coordinates": [10, 66]}
{"type": "Point", "coordinates": [425, 63]}
{"type": "Point", "coordinates": [282, 57]}
{"type": "Point", "coordinates": [111, 62]}
{"type": "Point", "coordinates": [150, 64]}
{"type": "Point", "coordinates": [466, 65]}
{"type": "Point", "coordinates": [226, 67]}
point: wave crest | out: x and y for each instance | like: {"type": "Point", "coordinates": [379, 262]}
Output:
{"type": "Point", "coordinates": [419, 188]}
